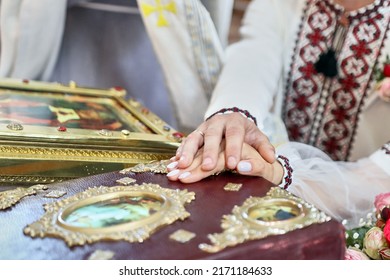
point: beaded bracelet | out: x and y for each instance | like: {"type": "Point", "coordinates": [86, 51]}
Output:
{"type": "Point", "coordinates": [288, 172]}
{"type": "Point", "coordinates": [234, 110]}
{"type": "Point", "coordinates": [386, 148]}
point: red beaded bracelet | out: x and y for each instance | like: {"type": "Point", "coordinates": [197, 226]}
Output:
{"type": "Point", "coordinates": [234, 110]}
{"type": "Point", "coordinates": [288, 172]}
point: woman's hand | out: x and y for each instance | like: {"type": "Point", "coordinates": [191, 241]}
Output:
{"type": "Point", "coordinates": [251, 164]}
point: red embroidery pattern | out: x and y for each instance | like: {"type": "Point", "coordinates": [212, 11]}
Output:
{"type": "Point", "coordinates": [324, 112]}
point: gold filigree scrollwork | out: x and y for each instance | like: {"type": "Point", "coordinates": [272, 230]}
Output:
{"type": "Point", "coordinates": [277, 213]}
{"type": "Point", "coordinates": [154, 167]}
{"type": "Point", "coordinates": [15, 126]}
{"type": "Point", "coordinates": [130, 213]}
{"type": "Point", "coordinates": [11, 197]}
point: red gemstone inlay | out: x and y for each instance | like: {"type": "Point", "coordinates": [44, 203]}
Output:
{"type": "Point", "coordinates": [25, 81]}
{"type": "Point", "coordinates": [178, 135]}
{"type": "Point", "coordinates": [117, 88]}
{"type": "Point", "coordinates": [62, 128]}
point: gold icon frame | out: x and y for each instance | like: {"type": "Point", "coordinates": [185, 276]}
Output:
{"type": "Point", "coordinates": [102, 132]}
{"type": "Point", "coordinates": [255, 219]}
{"type": "Point", "coordinates": [53, 223]}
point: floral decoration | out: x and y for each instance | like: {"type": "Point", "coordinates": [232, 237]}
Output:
{"type": "Point", "coordinates": [383, 80]}
{"type": "Point", "coordinates": [371, 241]}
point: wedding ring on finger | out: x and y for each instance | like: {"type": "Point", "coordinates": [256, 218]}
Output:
{"type": "Point", "coordinates": [200, 132]}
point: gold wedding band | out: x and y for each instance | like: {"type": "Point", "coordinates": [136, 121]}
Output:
{"type": "Point", "coordinates": [200, 132]}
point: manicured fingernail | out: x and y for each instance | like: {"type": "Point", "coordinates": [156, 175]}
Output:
{"type": "Point", "coordinates": [207, 161]}
{"type": "Point", "coordinates": [173, 158]}
{"type": "Point", "coordinates": [173, 173]}
{"type": "Point", "coordinates": [172, 165]}
{"type": "Point", "coordinates": [244, 166]}
{"type": "Point", "coordinates": [232, 162]}
{"type": "Point", "coordinates": [184, 175]}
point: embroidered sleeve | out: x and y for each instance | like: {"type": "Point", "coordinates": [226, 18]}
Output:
{"type": "Point", "coordinates": [382, 157]}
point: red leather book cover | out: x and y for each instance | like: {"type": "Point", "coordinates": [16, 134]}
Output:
{"type": "Point", "coordinates": [317, 241]}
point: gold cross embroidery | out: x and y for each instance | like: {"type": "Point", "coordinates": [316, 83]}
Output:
{"type": "Point", "coordinates": [148, 9]}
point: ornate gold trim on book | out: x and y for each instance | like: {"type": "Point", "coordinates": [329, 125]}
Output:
{"type": "Point", "coordinates": [130, 213]}
{"type": "Point", "coordinates": [154, 167]}
{"type": "Point", "coordinates": [11, 197]}
{"type": "Point", "coordinates": [74, 154]}
{"type": "Point", "coordinates": [30, 179]}
{"type": "Point", "coordinates": [277, 213]}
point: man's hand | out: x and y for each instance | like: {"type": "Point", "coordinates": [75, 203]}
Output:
{"type": "Point", "coordinates": [235, 129]}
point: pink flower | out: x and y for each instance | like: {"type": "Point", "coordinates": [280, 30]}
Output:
{"type": "Point", "coordinates": [373, 241]}
{"type": "Point", "coordinates": [384, 89]}
{"type": "Point", "coordinates": [386, 231]}
{"type": "Point", "coordinates": [382, 200]}
{"type": "Point", "coordinates": [355, 254]}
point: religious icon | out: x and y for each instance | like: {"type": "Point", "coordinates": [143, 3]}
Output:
{"type": "Point", "coordinates": [71, 111]}
{"type": "Point", "coordinates": [130, 213]}
{"type": "Point", "coordinates": [52, 132]}
{"type": "Point", "coordinates": [114, 211]}
{"type": "Point", "coordinates": [278, 210]}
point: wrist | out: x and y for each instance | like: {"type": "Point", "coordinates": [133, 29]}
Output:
{"type": "Point", "coordinates": [278, 173]}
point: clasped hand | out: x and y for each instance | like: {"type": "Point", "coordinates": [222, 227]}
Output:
{"type": "Point", "coordinates": [228, 141]}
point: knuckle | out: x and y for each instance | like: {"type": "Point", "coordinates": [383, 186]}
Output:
{"type": "Point", "coordinates": [233, 130]}
{"type": "Point", "coordinates": [259, 168]}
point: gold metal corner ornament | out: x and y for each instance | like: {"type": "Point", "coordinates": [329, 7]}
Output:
{"type": "Point", "coordinates": [11, 197]}
{"type": "Point", "coordinates": [232, 187]}
{"type": "Point", "coordinates": [157, 166]}
{"type": "Point", "coordinates": [126, 181]}
{"type": "Point", "coordinates": [182, 236]}
{"type": "Point", "coordinates": [130, 213]}
{"type": "Point", "coordinates": [55, 194]}
{"type": "Point", "coordinates": [278, 212]}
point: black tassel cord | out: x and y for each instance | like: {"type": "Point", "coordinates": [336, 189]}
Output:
{"type": "Point", "coordinates": [327, 63]}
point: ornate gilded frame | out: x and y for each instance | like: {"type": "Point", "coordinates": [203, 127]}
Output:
{"type": "Point", "coordinates": [256, 219]}
{"type": "Point", "coordinates": [11, 197]}
{"type": "Point", "coordinates": [36, 149]}
{"type": "Point", "coordinates": [55, 222]}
